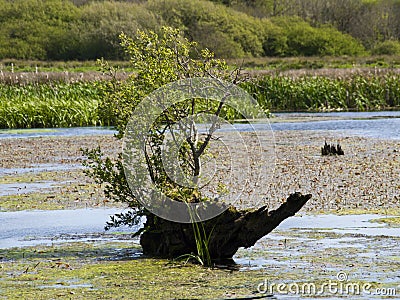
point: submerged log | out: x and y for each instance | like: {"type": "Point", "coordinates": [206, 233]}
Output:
{"type": "Point", "coordinates": [228, 232]}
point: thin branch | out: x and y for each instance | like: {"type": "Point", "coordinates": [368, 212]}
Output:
{"type": "Point", "coordinates": [213, 127]}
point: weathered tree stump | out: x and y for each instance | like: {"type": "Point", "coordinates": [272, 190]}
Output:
{"type": "Point", "coordinates": [229, 231]}
{"type": "Point", "coordinates": [331, 149]}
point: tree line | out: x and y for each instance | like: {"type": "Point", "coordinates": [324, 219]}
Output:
{"type": "Point", "coordinates": [86, 30]}
{"type": "Point", "coordinates": [370, 21]}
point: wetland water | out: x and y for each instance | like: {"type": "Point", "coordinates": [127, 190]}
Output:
{"type": "Point", "coordinates": [385, 125]}
{"type": "Point", "coordinates": [29, 228]}
{"type": "Point", "coordinates": [315, 247]}
{"type": "Point", "coordinates": [32, 227]}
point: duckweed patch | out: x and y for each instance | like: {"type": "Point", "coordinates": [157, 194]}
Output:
{"type": "Point", "coordinates": [68, 196]}
{"type": "Point", "coordinates": [43, 176]}
{"type": "Point", "coordinates": [109, 271]}
{"type": "Point", "coordinates": [117, 269]}
{"type": "Point", "coordinates": [304, 257]}
{"type": "Point", "coordinates": [393, 221]}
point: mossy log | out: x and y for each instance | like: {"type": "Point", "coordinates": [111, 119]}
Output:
{"type": "Point", "coordinates": [228, 232]}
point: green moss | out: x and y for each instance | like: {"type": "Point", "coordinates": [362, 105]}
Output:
{"type": "Point", "coordinates": [26, 131]}
{"type": "Point", "coordinates": [391, 220]}
{"type": "Point", "coordinates": [42, 176]}
{"type": "Point", "coordinates": [31, 201]}
{"type": "Point", "coordinates": [66, 197]}
{"type": "Point", "coordinates": [116, 270]}
{"type": "Point", "coordinates": [97, 272]}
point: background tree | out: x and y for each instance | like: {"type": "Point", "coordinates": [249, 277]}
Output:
{"type": "Point", "coordinates": [87, 30]}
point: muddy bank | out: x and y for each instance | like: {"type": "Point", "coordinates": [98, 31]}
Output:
{"type": "Point", "coordinates": [47, 173]}
{"type": "Point", "coordinates": [39, 151]}
{"type": "Point", "coordinates": [366, 178]}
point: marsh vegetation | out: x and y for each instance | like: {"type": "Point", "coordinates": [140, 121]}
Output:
{"type": "Point", "coordinates": [332, 71]}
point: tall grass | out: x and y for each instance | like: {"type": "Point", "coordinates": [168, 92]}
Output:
{"type": "Point", "coordinates": [56, 104]}
{"type": "Point", "coordinates": [67, 104]}
{"type": "Point", "coordinates": [202, 239]}
{"type": "Point", "coordinates": [319, 93]}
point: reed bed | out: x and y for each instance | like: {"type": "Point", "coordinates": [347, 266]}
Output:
{"type": "Point", "coordinates": [52, 103]}
{"type": "Point", "coordinates": [320, 93]}
{"type": "Point", "coordinates": [55, 104]}
{"type": "Point", "coordinates": [22, 78]}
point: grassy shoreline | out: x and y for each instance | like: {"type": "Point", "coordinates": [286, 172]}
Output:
{"type": "Point", "coordinates": [251, 63]}
{"type": "Point", "coordinates": [29, 104]}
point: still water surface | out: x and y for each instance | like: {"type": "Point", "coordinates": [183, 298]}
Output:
{"type": "Point", "coordinates": [384, 125]}
{"type": "Point", "coordinates": [26, 228]}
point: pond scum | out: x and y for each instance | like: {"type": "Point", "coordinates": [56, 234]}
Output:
{"type": "Point", "coordinates": [69, 104]}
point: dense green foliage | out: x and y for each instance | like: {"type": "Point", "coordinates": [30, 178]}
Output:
{"type": "Point", "coordinates": [322, 93]}
{"type": "Point", "coordinates": [387, 48]}
{"type": "Point", "coordinates": [370, 21]}
{"type": "Point", "coordinates": [58, 30]}
{"type": "Point", "coordinates": [49, 105]}
{"type": "Point", "coordinates": [87, 30]}
{"type": "Point", "coordinates": [55, 104]}
{"type": "Point", "coordinates": [153, 57]}
{"type": "Point", "coordinates": [304, 40]}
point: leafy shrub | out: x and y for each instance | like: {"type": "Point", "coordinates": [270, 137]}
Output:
{"type": "Point", "coordinates": [158, 59]}
{"type": "Point", "coordinates": [29, 28]}
{"type": "Point", "coordinates": [224, 31]}
{"type": "Point", "coordinates": [102, 22]}
{"type": "Point", "coordinates": [59, 30]}
{"type": "Point", "coordinates": [388, 47]}
{"type": "Point", "coordinates": [305, 40]}
{"type": "Point", "coordinates": [275, 40]}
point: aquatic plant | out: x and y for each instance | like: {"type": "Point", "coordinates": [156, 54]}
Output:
{"type": "Point", "coordinates": [54, 104]}
{"type": "Point", "coordinates": [321, 93]}
{"type": "Point", "coordinates": [60, 103]}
